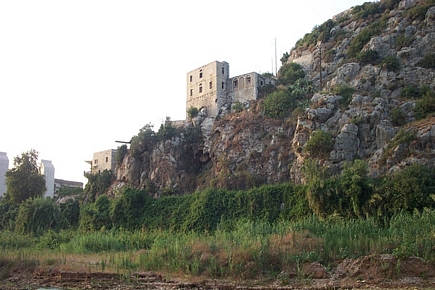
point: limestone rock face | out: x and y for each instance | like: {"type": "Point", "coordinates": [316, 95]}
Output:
{"type": "Point", "coordinates": [246, 149]}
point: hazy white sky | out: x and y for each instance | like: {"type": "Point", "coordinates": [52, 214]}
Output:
{"type": "Point", "coordinates": [77, 75]}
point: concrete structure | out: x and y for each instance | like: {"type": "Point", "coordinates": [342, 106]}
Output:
{"type": "Point", "coordinates": [103, 160]}
{"type": "Point", "coordinates": [210, 87]}
{"type": "Point", "coordinates": [4, 166]}
{"type": "Point", "coordinates": [47, 169]}
{"type": "Point", "coordinates": [59, 183]}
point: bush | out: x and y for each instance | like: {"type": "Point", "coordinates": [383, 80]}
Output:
{"type": "Point", "coordinates": [192, 112]}
{"type": "Point", "coordinates": [358, 42]}
{"type": "Point", "coordinates": [237, 107]}
{"type": "Point", "coordinates": [425, 106]}
{"type": "Point", "coordinates": [167, 131]}
{"type": "Point", "coordinates": [412, 92]}
{"type": "Point", "coordinates": [319, 145]}
{"type": "Point", "coordinates": [346, 92]}
{"type": "Point", "coordinates": [403, 41]}
{"type": "Point", "coordinates": [277, 104]}
{"type": "Point", "coordinates": [418, 12]}
{"type": "Point", "coordinates": [428, 61]}
{"type": "Point", "coordinates": [120, 153]}
{"type": "Point", "coordinates": [397, 117]}
{"type": "Point", "coordinates": [368, 57]}
{"type": "Point", "coordinates": [290, 73]}
{"type": "Point", "coordinates": [391, 62]}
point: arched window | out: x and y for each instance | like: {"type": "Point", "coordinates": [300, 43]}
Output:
{"type": "Point", "coordinates": [248, 81]}
{"type": "Point", "coordinates": [200, 88]}
{"type": "Point", "coordinates": [241, 83]}
{"type": "Point", "coordinates": [235, 83]}
{"type": "Point", "coordinates": [200, 73]}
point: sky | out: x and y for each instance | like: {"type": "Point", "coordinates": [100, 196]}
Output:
{"type": "Point", "coordinates": [75, 76]}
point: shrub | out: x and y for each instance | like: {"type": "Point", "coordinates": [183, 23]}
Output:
{"type": "Point", "coordinates": [411, 92]}
{"type": "Point", "coordinates": [120, 153]}
{"type": "Point", "coordinates": [167, 131]}
{"type": "Point", "coordinates": [368, 57]}
{"type": "Point", "coordinates": [237, 107]}
{"type": "Point", "coordinates": [403, 41]}
{"type": "Point", "coordinates": [277, 104]}
{"type": "Point", "coordinates": [319, 145]}
{"type": "Point", "coordinates": [358, 42]}
{"type": "Point", "coordinates": [391, 62]}
{"type": "Point", "coordinates": [192, 112]}
{"type": "Point", "coordinates": [418, 12]}
{"type": "Point", "coordinates": [397, 117]}
{"type": "Point", "coordinates": [289, 73]}
{"type": "Point", "coordinates": [425, 106]}
{"type": "Point", "coordinates": [428, 61]}
{"type": "Point", "coordinates": [346, 92]}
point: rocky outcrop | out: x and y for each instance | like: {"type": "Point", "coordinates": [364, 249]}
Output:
{"type": "Point", "coordinates": [245, 149]}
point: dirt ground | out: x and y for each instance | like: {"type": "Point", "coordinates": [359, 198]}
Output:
{"type": "Point", "coordinates": [370, 272]}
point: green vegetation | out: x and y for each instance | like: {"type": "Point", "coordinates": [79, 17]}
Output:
{"type": "Point", "coordinates": [24, 180]}
{"type": "Point", "coordinates": [397, 117]}
{"type": "Point", "coordinates": [402, 138]}
{"type": "Point", "coordinates": [319, 145]}
{"type": "Point", "coordinates": [419, 12]}
{"type": "Point", "coordinates": [368, 57]}
{"type": "Point", "coordinates": [237, 107]}
{"type": "Point", "coordinates": [345, 92]}
{"type": "Point", "coordinates": [425, 106]}
{"type": "Point", "coordinates": [290, 73]}
{"type": "Point", "coordinates": [358, 42]}
{"type": "Point", "coordinates": [121, 152]}
{"type": "Point", "coordinates": [391, 63]}
{"type": "Point", "coordinates": [428, 61]}
{"type": "Point", "coordinates": [192, 112]}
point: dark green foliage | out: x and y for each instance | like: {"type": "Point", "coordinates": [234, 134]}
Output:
{"type": "Point", "coordinates": [367, 9]}
{"type": "Point", "coordinates": [319, 145]}
{"type": "Point", "coordinates": [24, 180]}
{"type": "Point", "coordinates": [413, 92]}
{"type": "Point", "coordinates": [403, 137]}
{"type": "Point", "coordinates": [284, 58]}
{"type": "Point", "coordinates": [127, 208]}
{"type": "Point", "coordinates": [278, 104]}
{"type": "Point", "coordinates": [290, 73]}
{"type": "Point", "coordinates": [406, 190]}
{"type": "Point", "coordinates": [358, 42]}
{"type": "Point", "coordinates": [267, 89]}
{"type": "Point", "coordinates": [391, 63]}
{"type": "Point", "coordinates": [318, 33]}
{"type": "Point", "coordinates": [237, 107]}
{"type": "Point", "coordinates": [121, 152]}
{"type": "Point", "coordinates": [143, 142]}
{"type": "Point", "coordinates": [398, 118]}
{"type": "Point", "coordinates": [167, 131]}
{"type": "Point", "coordinates": [70, 213]}
{"type": "Point", "coordinates": [403, 41]}
{"type": "Point", "coordinates": [97, 184]}
{"type": "Point", "coordinates": [8, 214]}
{"type": "Point", "coordinates": [418, 12]}
{"type": "Point", "coordinates": [368, 57]}
{"type": "Point", "coordinates": [96, 216]}
{"type": "Point", "coordinates": [346, 92]}
{"type": "Point", "coordinates": [425, 106]}
{"type": "Point", "coordinates": [428, 61]}
{"type": "Point", "coordinates": [36, 216]}
{"type": "Point", "coordinates": [192, 112]}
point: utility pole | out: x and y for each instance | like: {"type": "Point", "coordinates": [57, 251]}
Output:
{"type": "Point", "coordinates": [319, 45]}
{"type": "Point", "coordinates": [276, 62]}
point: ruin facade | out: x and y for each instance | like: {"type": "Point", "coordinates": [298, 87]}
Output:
{"type": "Point", "coordinates": [210, 87]}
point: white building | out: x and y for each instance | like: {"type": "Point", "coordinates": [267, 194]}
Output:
{"type": "Point", "coordinates": [47, 169]}
{"type": "Point", "coordinates": [4, 166]}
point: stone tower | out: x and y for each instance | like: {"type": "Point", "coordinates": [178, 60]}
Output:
{"type": "Point", "coordinates": [207, 87]}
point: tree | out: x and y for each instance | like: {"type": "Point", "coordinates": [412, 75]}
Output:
{"type": "Point", "coordinates": [24, 180]}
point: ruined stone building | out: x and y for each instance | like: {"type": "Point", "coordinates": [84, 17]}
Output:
{"type": "Point", "coordinates": [103, 160]}
{"type": "Point", "coordinates": [211, 87]}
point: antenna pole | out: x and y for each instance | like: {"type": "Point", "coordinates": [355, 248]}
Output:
{"type": "Point", "coordinates": [276, 66]}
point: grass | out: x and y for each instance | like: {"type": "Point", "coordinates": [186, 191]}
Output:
{"type": "Point", "coordinates": [252, 250]}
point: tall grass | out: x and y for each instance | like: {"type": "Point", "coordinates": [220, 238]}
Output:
{"type": "Point", "coordinates": [251, 249]}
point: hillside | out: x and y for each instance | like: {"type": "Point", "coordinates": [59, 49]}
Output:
{"type": "Point", "coordinates": [374, 99]}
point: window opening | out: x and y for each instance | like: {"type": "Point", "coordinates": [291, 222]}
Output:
{"type": "Point", "coordinates": [200, 88]}
{"type": "Point", "coordinates": [190, 78]}
{"type": "Point", "coordinates": [223, 85]}
{"type": "Point", "coordinates": [248, 80]}
{"type": "Point", "coordinates": [200, 73]}
{"type": "Point", "coordinates": [223, 70]}
{"type": "Point", "coordinates": [107, 159]}
{"type": "Point", "coordinates": [235, 83]}
{"type": "Point", "coordinates": [210, 85]}
{"type": "Point", "coordinates": [191, 92]}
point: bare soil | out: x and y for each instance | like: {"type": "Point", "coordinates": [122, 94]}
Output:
{"type": "Point", "coordinates": [370, 272]}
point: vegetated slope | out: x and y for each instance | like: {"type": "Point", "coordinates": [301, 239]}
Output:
{"type": "Point", "coordinates": [375, 98]}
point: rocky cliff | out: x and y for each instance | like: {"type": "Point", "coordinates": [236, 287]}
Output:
{"type": "Point", "coordinates": [382, 53]}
